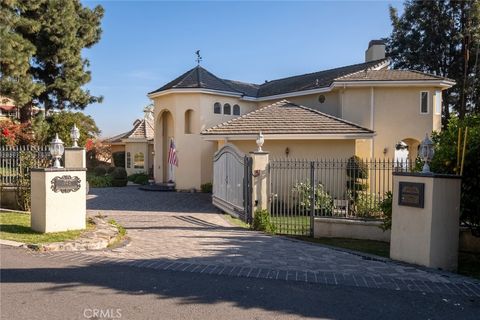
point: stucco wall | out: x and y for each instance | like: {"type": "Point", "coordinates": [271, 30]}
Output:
{"type": "Point", "coordinates": [352, 229]}
{"type": "Point", "coordinates": [134, 148]}
{"type": "Point", "coordinates": [194, 154]}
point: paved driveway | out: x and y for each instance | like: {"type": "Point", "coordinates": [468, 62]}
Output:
{"type": "Point", "coordinates": [183, 231]}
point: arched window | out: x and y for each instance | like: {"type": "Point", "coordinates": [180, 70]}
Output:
{"type": "Point", "coordinates": [236, 110]}
{"type": "Point", "coordinates": [188, 121]}
{"type": "Point", "coordinates": [138, 160]}
{"type": "Point", "coordinates": [217, 108]}
{"type": "Point", "coordinates": [227, 109]}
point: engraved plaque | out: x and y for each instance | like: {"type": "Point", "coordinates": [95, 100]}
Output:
{"type": "Point", "coordinates": [65, 184]}
{"type": "Point", "coordinates": [411, 194]}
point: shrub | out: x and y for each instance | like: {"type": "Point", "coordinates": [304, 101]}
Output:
{"type": "Point", "coordinates": [99, 181]}
{"type": "Point", "coordinates": [119, 159]}
{"type": "Point", "coordinates": [262, 222]}
{"type": "Point", "coordinates": [323, 201]}
{"type": "Point", "coordinates": [206, 187]}
{"type": "Point", "coordinates": [110, 169]}
{"type": "Point", "coordinates": [357, 171]}
{"type": "Point", "coordinates": [119, 177]}
{"type": "Point", "coordinates": [367, 205]}
{"type": "Point", "coordinates": [386, 206]}
{"type": "Point", "coordinates": [100, 171]}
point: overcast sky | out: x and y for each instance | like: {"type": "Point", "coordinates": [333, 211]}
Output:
{"type": "Point", "coordinates": [146, 44]}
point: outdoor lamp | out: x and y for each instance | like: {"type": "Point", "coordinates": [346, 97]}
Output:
{"type": "Point", "coordinates": [75, 135]}
{"type": "Point", "coordinates": [56, 150]}
{"type": "Point", "coordinates": [426, 153]}
{"type": "Point", "coordinates": [260, 141]}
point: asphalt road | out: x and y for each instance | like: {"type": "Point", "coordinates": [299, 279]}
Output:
{"type": "Point", "coordinates": [34, 287]}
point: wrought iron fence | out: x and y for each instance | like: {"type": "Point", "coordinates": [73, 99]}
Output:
{"type": "Point", "coordinates": [10, 158]}
{"type": "Point", "coordinates": [342, 188]}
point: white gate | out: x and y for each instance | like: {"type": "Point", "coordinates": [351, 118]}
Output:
{"type": "Point", "coordinates": [232, 182]}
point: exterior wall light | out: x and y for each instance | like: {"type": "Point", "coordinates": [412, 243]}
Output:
{"type": "Point", "coordinates": [75, 135]}
{"type": "Point", "coordinates": [56, 150]}
{"type": "Point", "coordinates": [426, 153]}
{"type": "Point", "coordinates": [287, 151]}
{"type": "Point", "coordinates": [260, 141]}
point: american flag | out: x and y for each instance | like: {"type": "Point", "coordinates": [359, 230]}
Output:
{"type": "Point", "coordinates": [172, 154]}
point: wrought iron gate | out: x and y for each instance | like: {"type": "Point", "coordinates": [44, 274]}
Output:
{"type": "Point", "coordinates": [232, 182]}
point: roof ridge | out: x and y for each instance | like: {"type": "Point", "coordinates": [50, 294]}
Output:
{"type": "Point", "coordinates": [326, 70]}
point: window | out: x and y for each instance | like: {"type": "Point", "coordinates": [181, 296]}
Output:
{"type": "Point", "coordinates": [138, 160]}
{"type": "Point", "coordinates": [236, 110]}
{"type": "Point", "coordinates": [227, 109]}
{"type": "Point", "coordinates": [129, 160]}
{"type": "Point", "coordinates": [438, 102]}
{"type": "Point", "coordinates": [217, 108]}
{"type": "Point", "coordinates": [188, 121]}
{"type": "Point", "coordinates": [424, 102]}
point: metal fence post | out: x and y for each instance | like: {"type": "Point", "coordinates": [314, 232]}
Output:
{"type": "Point", "coordinates": [312, 195]}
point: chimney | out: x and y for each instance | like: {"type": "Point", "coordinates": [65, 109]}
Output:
{"type": "Point", "coordinates": [375, 51]}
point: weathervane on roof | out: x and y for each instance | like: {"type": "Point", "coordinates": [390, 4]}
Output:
{"type": "Point", "coordinates": [199, 57]}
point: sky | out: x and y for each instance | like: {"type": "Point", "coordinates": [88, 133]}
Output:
{"type": "Point", "coordinates": [147, 44]}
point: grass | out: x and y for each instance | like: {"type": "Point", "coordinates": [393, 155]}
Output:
{"type": "Point", "coordinates": [121, 232]}
{"type": "Point", "coordinates": [15, 226]}
{"type": "Point", "coordinates": [235, 221]}
{"type": "Point", "coordinates": [468, 263]}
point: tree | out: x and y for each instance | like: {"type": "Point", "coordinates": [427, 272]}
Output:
{"type": "Point", "coordinates": [62, 123]}
{"type": "Point", "coordinates": [40, 59]}
{"type": "Point", "coordinates": [445, 161]}
{"type": "Point", "coordinates": [443, 38]}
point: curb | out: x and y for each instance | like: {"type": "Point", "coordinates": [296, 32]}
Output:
{"type": "Point", "coordinates": [11, 243]}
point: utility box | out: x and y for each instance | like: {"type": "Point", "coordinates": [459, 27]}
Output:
{"type": "Point", "coordinates": [425, 219]}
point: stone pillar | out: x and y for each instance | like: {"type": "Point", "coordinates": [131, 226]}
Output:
{"type": "Point", "coordinates": [259, 181]}
{"type": "Point", "coordinates": [75, 157]}
{"type": "Point", "coordinates": [58, 199]}
{"type": "Point", "coordinates": [425, 219]}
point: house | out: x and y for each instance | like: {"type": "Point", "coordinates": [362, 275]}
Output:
{"type": "Point", "coordinates": [136, 145]}
{"type": "Point", "coordinates": [364, 109]}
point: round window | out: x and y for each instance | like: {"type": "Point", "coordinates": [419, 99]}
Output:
{"type": "Point", "coordinates": [321, 99]}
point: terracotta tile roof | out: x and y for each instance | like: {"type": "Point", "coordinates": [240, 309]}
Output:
{"type": "Point", "coordinates": [142, 129]}
{"type": "Point", "coordinates": [284, 117]}
{"type": "Point", "coordinates": [389, 75]}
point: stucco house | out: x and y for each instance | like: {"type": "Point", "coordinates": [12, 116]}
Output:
{"type": "Point", "coordinates": [137, 144]}
{"type": "Point", "coordinates": [364, 109]}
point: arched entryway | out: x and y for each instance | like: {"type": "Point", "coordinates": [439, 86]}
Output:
{"type": "Point", "coordinates": [406, 150]}
{"type": "Point", "coordinates": [164, 132]}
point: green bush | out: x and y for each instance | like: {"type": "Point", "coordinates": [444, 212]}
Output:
{"type": "Point", "coordinates": [445, 161]}
{"type": "Point", "coordinates": [100, 171]}
{"type": "Point", "coordinates": [110, 169]}
{"type": "Point", "coordinates": [367, 205]}
{"type": "Point", "coordinates": [119, 159]}
{"type": "Point", "coordinates": [99, 182]}
{"type": "Point", "coordinates": [386, 206]}
{"type": "Point", "coordinates": [357, 170]}
{"type": "Point", "coordinates": [206, 187]}
{"type": "Point", "coordinates": [119, 174]}
{"type": "Point", "coordinates": [323, 201]}
{"type": "Point", "coordinates": [262, 222]}
{"type": "Point", "coordinates": [119, 177]}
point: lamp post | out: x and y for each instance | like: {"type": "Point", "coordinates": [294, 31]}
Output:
{"type": "Point", "coordinates": [260, 141]}
{"type": "Point", "coordinates": [56, 150]}
{"type": "Point", "coordinates": [426, 153]}
{"type": "Point", "coordinates": [75, 135]}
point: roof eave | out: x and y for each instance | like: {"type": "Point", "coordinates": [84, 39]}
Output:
{"type": "Point", "coordinates": [394, 83]}
{"type": "Point", "coordinates": [193, 90]}
{"type": "Point", "coordinates": [287, 136]}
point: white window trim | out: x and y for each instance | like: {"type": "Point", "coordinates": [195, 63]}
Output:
{"type": "Point", "coordinates": [438, 102]}
{"type": "Point", "coordinates": [428, 102]}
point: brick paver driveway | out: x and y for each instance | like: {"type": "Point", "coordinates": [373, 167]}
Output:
{"type": "Point", "coordinates": [183, 231]}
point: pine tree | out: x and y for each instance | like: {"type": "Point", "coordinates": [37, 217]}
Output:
{"type": "Point", "coordinates": [41, 46]}
{"type": "Point", "coordinates": [441, 37]}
